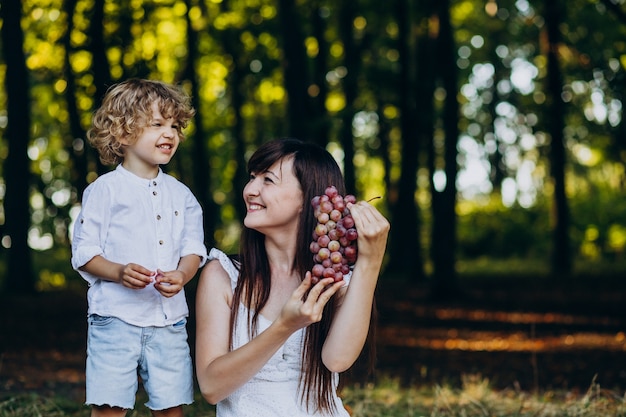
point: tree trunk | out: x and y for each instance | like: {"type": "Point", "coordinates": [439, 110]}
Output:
{"type": "Point", "coordinates": [321, 123]}
{"type": "Point", "coordinates": [498, 170]}
{"type": "Point", "coordinates": [406, 251]}
{"type": "Point", "coordinates": [200, 166]}
{"type": "Point", "coordinates": [561, 256]}
{"type": "Point", "coordinates": [295, 71]}
{"type": "Point", "coordinates": [444, 202]}
{"type": "Point", "coordinates": [352, 61]}
{"type": "Point", "coordinates": [19, 277]}
{"type": "Point", "coordinates": [100, 66]}
{"type": "Point", "coordinates": [232, 47]}
{"type": "Point", "coordinates": [77, 145]}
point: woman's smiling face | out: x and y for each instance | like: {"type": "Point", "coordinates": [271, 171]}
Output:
{"type": "Point", "coordinates": [273, 198]}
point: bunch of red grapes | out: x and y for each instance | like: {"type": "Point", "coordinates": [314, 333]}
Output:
{"type": "Point", "coordinates": [334, 245]}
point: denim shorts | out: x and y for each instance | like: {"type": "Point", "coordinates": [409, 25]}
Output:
{"type": "Point", "coordinates": [118, 352]}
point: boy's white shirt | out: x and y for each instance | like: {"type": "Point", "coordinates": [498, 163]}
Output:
{"type": "Point", "coordinates": [128, 219]}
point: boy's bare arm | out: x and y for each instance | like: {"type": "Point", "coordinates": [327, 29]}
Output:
{"type": "Point", "coordinates": [169, 283]}
{"type": "Point", "coordinates": [131, 275]}
{"type": "Point", "coordinates": [189, 266]}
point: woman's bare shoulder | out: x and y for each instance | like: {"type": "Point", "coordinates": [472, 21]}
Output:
{"type": "Point", "coordinates": [214, 280]}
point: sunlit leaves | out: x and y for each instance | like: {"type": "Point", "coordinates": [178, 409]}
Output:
{"type": "Point", "coordinates": [617, 238]}
{"type": "Point", "coordinates": [335, 102]}
{"type": "Point", "coordinates": [336, 49]}
{"type": "Point", "coordinates": [268, 11]}
{"type": "Point", "coordinates": [312, 46]}
{"type": "Point", "coordinates": [215, 74]}
{"type": "Point", "coordinates": [462, 10]}
{"type": "Point", "coordinates": [269, 92]}
{"type": "Point", "coordinates": [360, 23]}
{"type": "Point", "coordinates": [42, 32]}
{"type": "Point", "coordinates": [229, 19]}
{"type": "Point", "coordinates": [239, 51]}
{"type": "Point", "coordinates": [81, 61]}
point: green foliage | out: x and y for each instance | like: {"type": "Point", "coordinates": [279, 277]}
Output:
{"type": "Point", "coordinates": [495, 232]}
{"type": "Point", "coordinates": [237, 59]}
{"type": "Point", "coordinates": [599, 225]}
{"type": "Point", "coordinates": [500, 233]}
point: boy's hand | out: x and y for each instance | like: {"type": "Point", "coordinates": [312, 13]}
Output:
{"type": "Point", "coordinates": [169, 283]}
{"type": "Point", "coordinates": [135, 276]}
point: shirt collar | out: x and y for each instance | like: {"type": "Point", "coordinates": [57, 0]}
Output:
{"type": "Point", "coordinates": [137, 179]}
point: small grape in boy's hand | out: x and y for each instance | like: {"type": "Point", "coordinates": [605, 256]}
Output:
{"type": "Point", "coordinates": [169, 283]}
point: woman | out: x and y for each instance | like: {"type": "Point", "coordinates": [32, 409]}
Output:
{"type": "Point", "coordinates": [268, 341]}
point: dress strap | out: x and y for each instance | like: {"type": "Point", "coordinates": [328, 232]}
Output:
{"type": "Point", "coordinates": [227, 263]}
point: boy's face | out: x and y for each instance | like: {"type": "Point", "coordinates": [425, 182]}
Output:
{"type": "Point", "coordinates": [156, 145]}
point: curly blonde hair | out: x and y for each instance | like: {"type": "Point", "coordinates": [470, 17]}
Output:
{"type": "Point", "coordinates": [127, 109]}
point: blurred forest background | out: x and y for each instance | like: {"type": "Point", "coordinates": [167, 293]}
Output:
{"type": "Point", "coordinates": [493, 129]}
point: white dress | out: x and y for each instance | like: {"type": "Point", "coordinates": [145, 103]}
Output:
{"type": "Point", "coordinates": [274, 390]}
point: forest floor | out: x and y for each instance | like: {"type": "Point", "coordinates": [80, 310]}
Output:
{"type": "Point", "coordinates": [517, 334]}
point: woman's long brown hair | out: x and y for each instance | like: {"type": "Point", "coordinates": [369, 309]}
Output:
{"type": "Point", "coordinates": [315, 169]}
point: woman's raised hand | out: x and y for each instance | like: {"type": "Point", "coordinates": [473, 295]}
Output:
{"type": "Point", "coordinates": [372, 228]}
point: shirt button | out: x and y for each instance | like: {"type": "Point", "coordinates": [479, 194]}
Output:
{"type": "Point", "coordinates": [154, 183]}
{"type": "Point", "coordinates": [176, 213]}
{"type": "Point", "coordinates": [158, 217]}
{"type": "Point", "coordinates": [160, 242]}
{"type": "Point", "coordinates": [154, 193]}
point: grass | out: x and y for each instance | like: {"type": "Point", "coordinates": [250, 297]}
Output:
{"type": "Point", "coordinates": [474, 398]}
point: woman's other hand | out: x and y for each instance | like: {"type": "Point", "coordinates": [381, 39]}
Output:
{"type": "Point", "coordinates": [306, 304]}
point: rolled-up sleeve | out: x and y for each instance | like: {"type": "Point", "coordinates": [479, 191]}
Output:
{"type": "Point", "coordinates": [89, 229]}
{"type": "Point", "coordinates": [193, 230]}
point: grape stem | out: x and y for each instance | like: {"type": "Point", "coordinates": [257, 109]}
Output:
{"type": "Point", "coordinates": [374, 198]}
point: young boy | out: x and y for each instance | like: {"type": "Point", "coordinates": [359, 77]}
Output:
{"type": "Point", "coordinates": [137, 241]}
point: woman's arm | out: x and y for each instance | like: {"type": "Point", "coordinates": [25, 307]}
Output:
{"type": "Point", "coordinates": [221, 371]}
{"type": "Point", "coordinates": [350, 325]}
